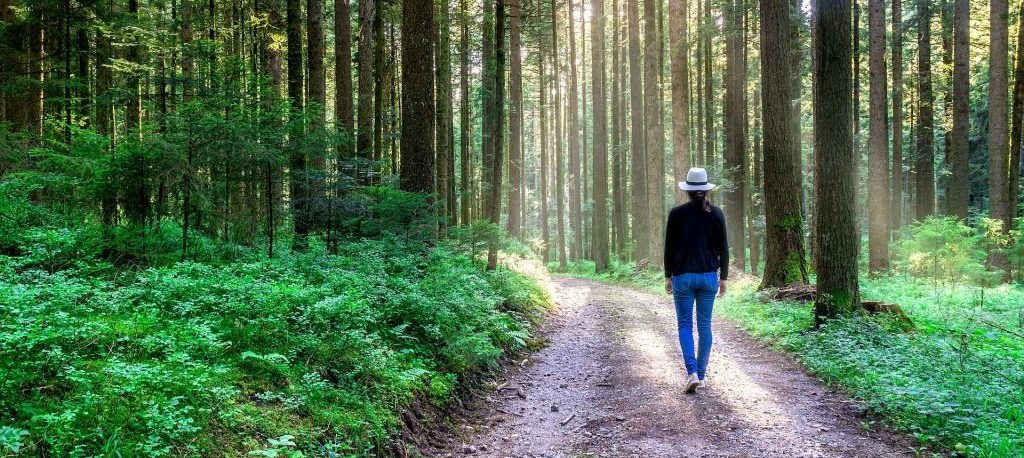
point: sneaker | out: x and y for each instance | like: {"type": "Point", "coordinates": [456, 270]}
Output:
{"type": "Point", "coordinates": [701, 384]}
{"type": "Point", "coordinates": [691, 383]}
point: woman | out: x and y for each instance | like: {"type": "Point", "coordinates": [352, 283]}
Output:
{"type": "Point", "coordinates": [696, 265]}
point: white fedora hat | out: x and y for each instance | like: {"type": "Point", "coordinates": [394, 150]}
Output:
{"type": "Point", "coordinates": [696, 180]}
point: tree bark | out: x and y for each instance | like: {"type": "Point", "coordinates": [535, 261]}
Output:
{"type": "Point", "coordinates": [343, 113]}
{"type": "Point", "coordinates": [638, 186]}
{"type": "Point", "coordinates": [946, 123]}
{"type": "Point", "coordinates": [957, 194]}
{"type": "Point", "coordinates": [618, 151]}
{"type": "Point", "coordinates": [785, 257]}
{"type": "Point", "coordinates": [296, 156]}
{"type": "Point", "coordinates": [317, 105]}
{"type": "Point", "coordinates": [878, 211]}
{"type": "Point", "coordinates": [417, 173]}
{"type": "Point", "coordinates": [496, 160]}
{"type": "Point", "coordinates": [466, 197]}
{"type": "Point", "coordinates": [559, 132]}
{"type": "Point", "coordinates": [998, 190]}
{"type": "Point", "coordinates": [735, 139]}
{"type": "Point", "coordinates": [379, 86]}
{"type": "Point", "coordinates": [515, 167]}
{"type": "Point", "coordinates": [1016, 120]}
{"type": "Point", "coordinates": [575, 221]}
{"type": "Point", "coordinates": [487, 96]}
{"type": "Point", "coordinates": [896, 220]}
{"type": "Point", "coordinates": [678, 35]}
{"type": "Point", "coordinates": [709, 98]}
{"type": "Point", "coordinates": [364, 115]}
{"type": "Point", "coordinates": [836, 265]}
{"type": "Point", "coordinates": [654, 128]}
{"type": "Point", "coordinates": [924, 164]}
{"type": "Point", "coordinates": [600, 236]}
{"type": "Point", "coordinates": [544, 227]}
{"type": "Point", "coordinates": [445, 147]}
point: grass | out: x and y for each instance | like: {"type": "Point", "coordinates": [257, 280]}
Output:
{"type": "Point", "coordinates": [955, 381]}
{"type": "Point", "coordinates": [304, 354]}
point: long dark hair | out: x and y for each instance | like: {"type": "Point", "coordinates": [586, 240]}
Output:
{"type": "Point", "coordinates": [696, 196]}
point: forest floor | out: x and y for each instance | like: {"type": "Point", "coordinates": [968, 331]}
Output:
{"type": "Point", "coordinates": [609, 384]}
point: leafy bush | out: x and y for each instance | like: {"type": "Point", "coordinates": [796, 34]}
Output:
{"type": "Point", "coordinates": [944, 249]}
{"type": "Point", "coordinates": [956, 383]}
{"type": "Point", "coordinates": [190, 359]}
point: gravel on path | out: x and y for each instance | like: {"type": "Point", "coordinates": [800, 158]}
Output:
{"type": "Point", "coordinates": [609, 383]}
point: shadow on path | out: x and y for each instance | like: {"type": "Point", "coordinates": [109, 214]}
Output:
{"type": "Point", "coordinates": [609, 384]}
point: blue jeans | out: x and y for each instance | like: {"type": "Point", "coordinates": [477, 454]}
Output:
{"type": "Point", "coordinates": [686, 289]}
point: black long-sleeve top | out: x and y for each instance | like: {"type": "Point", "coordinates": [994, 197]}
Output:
{"type": "Point", "coordinates": [695, 241]}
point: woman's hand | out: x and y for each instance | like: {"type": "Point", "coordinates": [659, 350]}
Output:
{"type": "Point", "coordinates": [668, 286]}
{"type": "Point", "coordinates": [721, 287]}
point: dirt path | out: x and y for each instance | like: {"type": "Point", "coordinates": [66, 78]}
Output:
{"type": "Point", "coordinates": [609, 385]}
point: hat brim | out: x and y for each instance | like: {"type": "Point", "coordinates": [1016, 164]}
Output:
{"type": "Point", "coordinates": [704, 187]}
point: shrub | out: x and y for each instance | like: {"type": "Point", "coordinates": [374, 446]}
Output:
{"type": "Point", "coordinates": [321, 352]}
{"type": "Point", "coordinates": [944, 249]}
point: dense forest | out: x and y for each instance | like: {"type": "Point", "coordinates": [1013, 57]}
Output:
{"type": "Point", "coordinates": [272, 219]}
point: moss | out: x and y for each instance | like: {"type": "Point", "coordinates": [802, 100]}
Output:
{"type": "Point", "coordinates": [791, 222]}
{"type": "Point", "coordinates": [794, 266]}
{"type": "Point", "coordinates": [838, 301]}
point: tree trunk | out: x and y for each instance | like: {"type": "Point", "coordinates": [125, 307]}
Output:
{"type": "Point", "coordinates": [576, 247]}
{"type": "Point", "coordinates": [497, 88]}
{"type": "Point", "coordinates": [653, 126]}
{"type": "Point", "coordinates": [638, 189]}
{"type": "Point", "coordinates": [270, 56]}
{"type": "Point", "coordinates": [998, 189]}
{"type": "Point", "coordinates": [797, 81]}
{"type": "Point", "coordinates": [487, 107]}
{"type": "Point", "coordinates": [136, 205]}
{"type": "Point", "coordinates": [1016, 120]}
{"type": "Point", "coordinates": [544, 227]}
{"type": "Point", "coordinates": [757, 170]}
{"type": "Point", "coordinates": [878, 212]}
{"type": "Point", "coordinates": [698, 100]}
{"type": "Point", "coordinates": [896, 221]}
{"type": "Point", "coordinates": [618, 151]}
{"type": "Point", "coordinates": [946, 87]}
{"type": "Point", "coordinates": [445, 148]}
{"type": "Point", "coordinates": [105, 123]}
{"type": "Point", "coordinates": [785, 258]}
{"type": "Point", "coordinates": [957, 194]}
{"type": "Point", "coordinates": [559, 132]}
{"type": "Point", "coordinates": [317, 74]}
{"type": "Point", "coordinates": [417, 174]}
{"type": "Point", "coordinates": [585, 231]}
{"type": "Point", "coordinates": [83, 80]}
{"type": "Point", "coordinates": [317, 103]}
{"type": "Point", "coordinates": [924, 164]}
{"type": "Point", "coordinates": [343, 115]}
{"type": "Point", "coordinates": [515, 167]}
{"type": "Point", "coordinates": [364, 115]}
{"type": "Point", "coordinates": [680, 94]}
{"type": "Point", "coordinates": [379, 85]}
{"type": "Point", "coordinates": [466, 197]}
{"type": "Point", "coordinates": [734, 132]}
{"type": "Point", "coordinates": [856, 110]}
{"type": "Point", "coordinates": [296, 156]}
{"type": "Point", "coordinates": [600, 236]}
{"type": "Point", "coordinates": [709, 98]}
{"type": "Point", "coordinates": [836, 266]}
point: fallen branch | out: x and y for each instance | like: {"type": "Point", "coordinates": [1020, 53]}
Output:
{"type": "Point", "coordinates": [568, 419]}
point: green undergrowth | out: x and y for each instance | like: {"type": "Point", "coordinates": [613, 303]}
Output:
{"type": "Point", "coordinates": [955, 381]}
{"type": "Point", "coordinates": [302, 355]}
